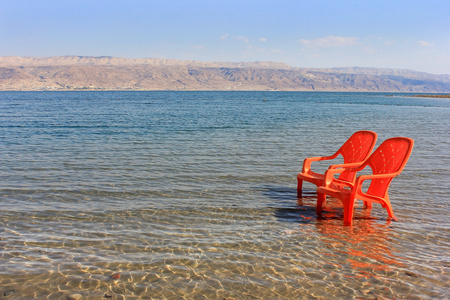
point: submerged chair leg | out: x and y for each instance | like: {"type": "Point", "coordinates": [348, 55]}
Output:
{"type": "Point", "coordinates": [299, 187]}
{"type": "Point", "coordinates": [389, 210]}
{"type": "Point", "coordinates": [320, 201]}
{"type": "Point", "coordinates": [367, 209]}
{"type": "Point", "coordinates": [348, 211]}
{"type": "Point", "coordinates": [368, 205]}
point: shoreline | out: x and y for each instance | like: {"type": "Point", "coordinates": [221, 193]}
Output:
{"type": "Point", "coordinates": [431, 96]}
{"type": "Point", "coordinates": [388, 93]}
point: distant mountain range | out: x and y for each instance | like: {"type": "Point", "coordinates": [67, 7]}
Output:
{"type": "Point", "coordinates": [113, 73]}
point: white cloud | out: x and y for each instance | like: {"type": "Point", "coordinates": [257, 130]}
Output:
{"type": "Point", "coordinates": [331, 41]}
{"type": "Point", "coordinates": [263, 39]}
{"type": "Point", "coordinates": [241, 38]}
{"type": "Point", "coordinates": [224, 37]}
{"type": "Point", "coordinates": [425, 44]}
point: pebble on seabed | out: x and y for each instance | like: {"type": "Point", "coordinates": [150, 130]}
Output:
{"type": "Point", "coordinates": [9, 292]}
{"type": "Point", "coordinates": [74, 297]}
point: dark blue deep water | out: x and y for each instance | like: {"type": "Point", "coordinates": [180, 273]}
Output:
{"type": "Point", "coordinates": [192, 195]}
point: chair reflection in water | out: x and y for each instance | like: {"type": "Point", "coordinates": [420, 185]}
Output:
{"type": "Point", "coordinates": [386, 162]}
{"type": "Point", "coordinates": [366, 248]}
{"type": "Point", "coordinates": [354, 151]}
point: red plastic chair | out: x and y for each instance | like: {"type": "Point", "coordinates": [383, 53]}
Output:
{"type": "Point", "coordinates": [354, 151]}
{"type": "Point", "coordinates": [386, 162]}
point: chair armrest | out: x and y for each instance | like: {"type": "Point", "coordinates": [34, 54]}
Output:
{"type": "Point", "coordinates": [362, 178]}
{"type": "Point", "coordinates": [346, 166]}
{"type": "Point", "coordinates": [307, 162]}
{"type": "Point", "coordinates": [329, 175]}
{"type": "Point", "coordinates": [358, 186]}
{"type": "Point", "coordinates": [336, 169]}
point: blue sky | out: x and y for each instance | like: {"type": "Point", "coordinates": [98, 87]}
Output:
{"type": "Point", "coordinates": [406, 34]}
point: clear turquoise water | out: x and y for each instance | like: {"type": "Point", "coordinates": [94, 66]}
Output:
{"type": "Point", "coordinates": [191, 195]}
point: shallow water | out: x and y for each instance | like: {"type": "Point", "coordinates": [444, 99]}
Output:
{"type": "Point", "coordinates": [192, 195]}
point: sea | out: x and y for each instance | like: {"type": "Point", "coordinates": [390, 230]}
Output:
{"type": "Point", "coordinates": [192, 195]}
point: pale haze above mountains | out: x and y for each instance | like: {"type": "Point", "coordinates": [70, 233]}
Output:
{"type": "Point", "coordinates": [113, 73]}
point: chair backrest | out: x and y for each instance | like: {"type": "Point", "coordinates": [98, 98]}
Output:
{"type": "Point", "coordinates": [357, 149]}
{"type": "Point", "coordinates": [389, 158]}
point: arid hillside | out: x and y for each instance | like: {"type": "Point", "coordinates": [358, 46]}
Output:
{"type": "Point", "coordinates": [111, 73]}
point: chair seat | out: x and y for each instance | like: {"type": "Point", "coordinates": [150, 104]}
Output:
{"type": "Point", "coordinates": [335, 190]}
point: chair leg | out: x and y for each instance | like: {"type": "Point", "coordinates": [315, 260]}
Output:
{"type": "Point", "coordinates": [348, 211]}
{"type": "Point", "coordinates": [368, 205]}
{"type": "Point", "coordinates": [320, 201]}
{"type": "Point", "coordinates": [388, 207]}
{"type": "Point", "coordinates": [391, 212]}
{"type": "Point", "coordinates": [299, 187]}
